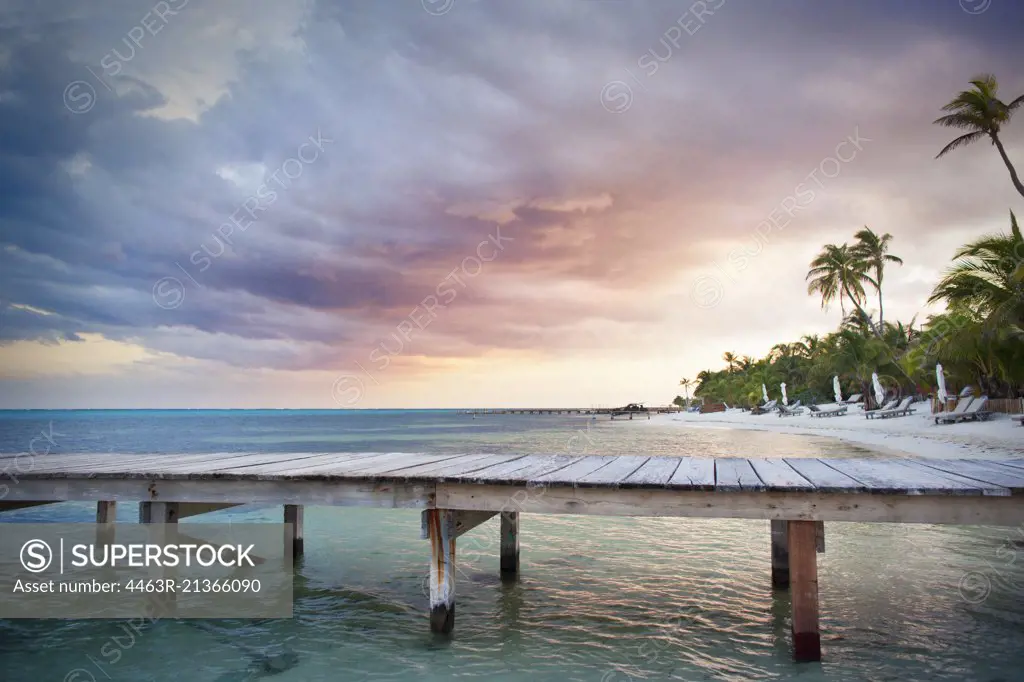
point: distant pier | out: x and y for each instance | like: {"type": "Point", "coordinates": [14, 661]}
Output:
{"type": "Point", "coordinates": [611, 411]}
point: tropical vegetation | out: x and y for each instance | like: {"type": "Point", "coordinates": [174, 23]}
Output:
{"type": "Point", "coordinates": [978, 339]}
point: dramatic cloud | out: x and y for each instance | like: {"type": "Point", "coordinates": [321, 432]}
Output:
{"type": "Point", "coordinates": [213, 204]}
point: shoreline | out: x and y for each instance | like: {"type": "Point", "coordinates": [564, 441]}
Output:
{"type": "Point", "coordinates": [915, 435]}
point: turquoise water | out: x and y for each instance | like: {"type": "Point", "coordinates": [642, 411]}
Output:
{"type": "Point", "coordinates": [602, 599]}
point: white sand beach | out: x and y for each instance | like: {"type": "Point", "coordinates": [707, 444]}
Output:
{"type": "Point", "coordinates": [916, 434]}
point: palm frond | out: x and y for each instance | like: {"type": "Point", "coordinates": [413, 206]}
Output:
{"type": "Point", "coordinates": [961, 119]}
{"type": "Point", "coordinates": [961, 141]}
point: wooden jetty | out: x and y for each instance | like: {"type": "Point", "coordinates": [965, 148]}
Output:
{"type": "Point", "coordinates": [611, 411]}
{"type": "Point", "coordinates": [458, 492]}
{"type": "Point", "coordinates": [537, 410]}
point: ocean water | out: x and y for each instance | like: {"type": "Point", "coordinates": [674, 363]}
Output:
{"type": "Point", "coordinates": [601, 599]}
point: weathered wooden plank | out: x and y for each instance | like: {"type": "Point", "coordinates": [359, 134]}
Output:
{"type": "Point", "coordinates": [823, 477]}
{"type": "Point", "coordinates": [114, 464]}
{"type": "Point", "coordinates": [985, 487]}
{"type": "Point", "coordinates": [570, 474]}
{"type": "Point", "coordinates": [324, 490]}
{"type": "Point", "coordinates": [332, 463]}
{"type": "Point", "coordinates": [811, 506]}
{"type": "Point", "coordinates": [380, 466]}
{"type": "Point", "coordinates": [335, 468]}
{"type": "Point", "coordinates": [245, 464]}
{"type": "Point", "coordinates": [296, 466]}
{"type": "Point", "coordinates": [994, 473]}
{"type": "Point", "coordinates": [68, 457]}
{"type": "Point", "coordinates": [734, 474]}
{"type": "Point", "coordinates": [1005, 466]}
{"type": "Point", "coordinates": [41, 464]}
{"type": "Point", "coordinates": [129, 463]}
{"type": "Point", "coordinates": [892, 477]}
{"type": "Point", "coordinates": [695, 473]}
{"type": "Point", "coordinates": [459, 465]}
{"type": "Point", "coordinates": [776, 474]}
{"type": "Point", "coordinates": [803, 575]}
{"type": "Point", "coordinates": [615, 471]}
{"type": "Point", "coordinates": [521, 470]}
{"type": "Point", "coordinates": [655, 472]}
{"type": "Point", "coordinates": [1015, 463]}
{"type": "Point", "coordinates": [330, 467]}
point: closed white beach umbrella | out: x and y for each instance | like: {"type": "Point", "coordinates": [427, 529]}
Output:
{"type": "Point", "coordinates": [879, 391]}
{"type": "Point", "coordinates": [836, 389]}
{"type": "Point", "coordinates": [785, 400]}
{"type": "Point", "coordinates": [764, 392]}
{"type": "Point", "coordinates": [941, 378]}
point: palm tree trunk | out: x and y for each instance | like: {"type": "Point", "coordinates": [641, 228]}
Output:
{"type": "Point", "coordinates": [881, 313]}
{"type": "Point", "coordinates": [861, 311]}
{"type": "Point", "coordinates": [1009, 166]}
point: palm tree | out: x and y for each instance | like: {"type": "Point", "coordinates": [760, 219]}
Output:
{"type": "Point", "coordinates": [686, 383]}
{"type": "Point", "coordinates": [988, 277]}
{"type": "Point", "coordinates": [873, 250]}
{"type": "Point", "coordinates": [778, 351]}
{"type": "Point", "coordinates": [808, 346]}
{"type": "Point", "coordinates": [980, 112]}
{"type": "Point", "coordinates": [732, 360]}
{"type": "Point", "coordinates": [837, 272]}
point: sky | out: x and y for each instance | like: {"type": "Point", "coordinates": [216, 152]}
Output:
{"type": "Point", "coordinates": [456, 203]}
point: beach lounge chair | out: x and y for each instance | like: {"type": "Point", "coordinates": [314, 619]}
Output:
{"type": "Point", "coordinates": [1020, 418]}
{"type": "Point", "coordinates": [767, 407]}
{"type": "Point", "coordinates": [901, 410]}
{"type": "Point", "coordinates": [853, 399]}
{"type": "Point", "coordinates": [870, 414]}
{"type": "Point", "coordinates": [977, 411]}
{"type": "Point", "coordinates": [791, 410]}
{"type": "Point", "coordinates": [833, 410]}
{"type": "Point", "coordinates": [956, 413]}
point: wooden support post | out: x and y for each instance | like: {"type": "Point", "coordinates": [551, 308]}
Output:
{"type": "Point", "coordinates": [161, 605]}
{"type": "Point", "coordinates": [441, 527]}
{"type": "Point", "coordinates": [106, 512]}
{"type": "Point", "coordinates": [106, 516]}
{"type": "Point", "coordinates": [780, 555]}
{"type": "Point", "coordinates": [803, 562]}
{"type": "Point", "coordinates": [509, 544]}
{"type": "Point", "coordinates": [293, 514]}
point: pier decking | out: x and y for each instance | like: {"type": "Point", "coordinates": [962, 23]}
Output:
{"type": "Point", "coordinates": [668, 409]}
{"type": "Point", "coordinates": [458, 492]}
